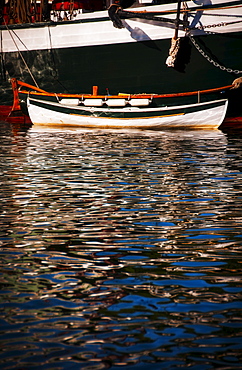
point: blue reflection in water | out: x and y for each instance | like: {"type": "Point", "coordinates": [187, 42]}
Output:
{"type": "Point", "coordinates": [120, 249]}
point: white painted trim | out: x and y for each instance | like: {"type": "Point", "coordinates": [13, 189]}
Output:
{"type": "Point", "coordinates": [96, 29]}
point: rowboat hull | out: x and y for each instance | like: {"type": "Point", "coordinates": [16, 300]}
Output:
{"type": "Point", "coordinates": [206, 115]}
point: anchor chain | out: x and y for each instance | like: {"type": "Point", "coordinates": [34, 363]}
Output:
{"type": "Point", "coordinates": [202, 52]}
{"type": "Point", "coordinates": [221, 24]}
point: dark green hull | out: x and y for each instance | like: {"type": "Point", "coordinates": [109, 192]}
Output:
{"type": "Point", "coordinates": [132, 68]}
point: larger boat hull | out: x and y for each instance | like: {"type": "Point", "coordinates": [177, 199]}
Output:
{"type": "Point", "coordinates": [90, 51]}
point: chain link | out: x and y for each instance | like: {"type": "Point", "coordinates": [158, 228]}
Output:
{"type": "Point", "coordinates": [222, 24]}
{"type": "Point", "coordinates": [210, 60]}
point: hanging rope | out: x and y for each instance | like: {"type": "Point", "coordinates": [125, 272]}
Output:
{"type": "Point", "coordinates": [175, 42]}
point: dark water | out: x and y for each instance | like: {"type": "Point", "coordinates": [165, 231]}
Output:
{"type": "Point", "coordinates": [120, 249]}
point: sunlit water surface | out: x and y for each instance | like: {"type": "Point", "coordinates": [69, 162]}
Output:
{"type": "Point", "coordinates": [120, 249]}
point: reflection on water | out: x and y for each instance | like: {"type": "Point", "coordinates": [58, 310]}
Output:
{"type": "Point", "coordinates": [120, 249]}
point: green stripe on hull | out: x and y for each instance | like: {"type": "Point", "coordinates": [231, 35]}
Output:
{"type": "Point", "coordinates": [122, 114]}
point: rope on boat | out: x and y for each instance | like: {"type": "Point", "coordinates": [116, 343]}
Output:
{"type": "Point", "coordinates": [237, 83]}
{"type": "Point", "coordinates": [174, 49]}
{"type": "Point", "coordinates": [175, 41]}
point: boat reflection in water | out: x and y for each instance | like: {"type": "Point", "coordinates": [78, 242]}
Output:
{"type": "Point", "coordinates": [120, 249]}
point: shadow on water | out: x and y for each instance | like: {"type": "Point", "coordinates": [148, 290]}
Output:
{"type": "Point", "coordinates": [120, 249]}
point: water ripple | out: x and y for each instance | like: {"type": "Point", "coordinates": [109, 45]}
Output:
{"type": "Point", "coordinates": [120, 249]}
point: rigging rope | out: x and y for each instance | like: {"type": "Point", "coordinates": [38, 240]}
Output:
{"type": "Point", "coordinates": [24, 61]}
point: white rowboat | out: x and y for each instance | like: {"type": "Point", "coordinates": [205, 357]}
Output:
{"type": "Point", "coordinates": [205, 115]}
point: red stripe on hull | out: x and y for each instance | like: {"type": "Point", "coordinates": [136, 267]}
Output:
{"type": "Point", "coordinates": [233, 122]}
{"type": "Point", "coordinates": [14, 117]}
